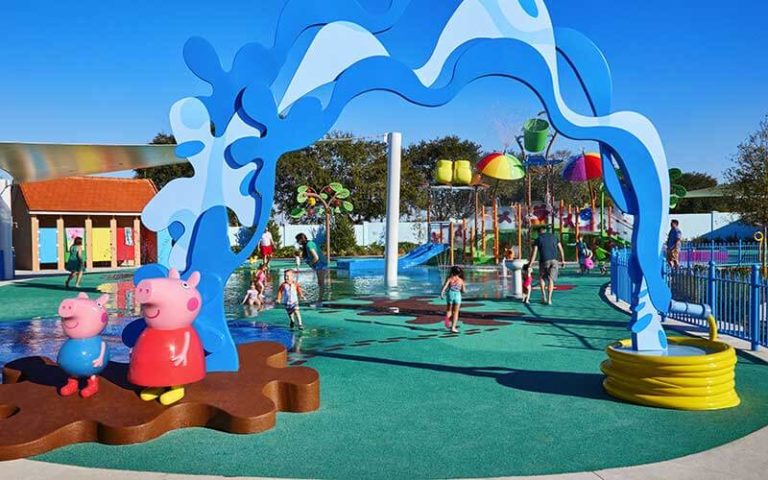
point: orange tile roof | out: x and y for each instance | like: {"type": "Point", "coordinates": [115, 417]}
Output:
{"type": "Point", "coordinates": [88, 194]}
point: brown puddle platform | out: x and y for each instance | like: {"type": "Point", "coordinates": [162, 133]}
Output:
{"type": "Point", "coordinates": [34, 418]}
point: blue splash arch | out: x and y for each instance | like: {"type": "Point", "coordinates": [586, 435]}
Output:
{"type": "Point", "coordinates": [284, 96]}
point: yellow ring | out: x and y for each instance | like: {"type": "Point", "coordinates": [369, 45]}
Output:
{"type": "Point", "coordinates": [698, 382]}
{"type": "Point", "coordinates": [758, 236]}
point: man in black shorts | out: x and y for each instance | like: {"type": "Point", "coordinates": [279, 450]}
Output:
{"type": "Point", "coordinates": [547, 245]}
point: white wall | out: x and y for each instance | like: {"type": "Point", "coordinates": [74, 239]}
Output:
{"type": "Point", "coordinates": [694, 225]}
{"type": "Point", "coordinates": [6, 230]}
{"type": "Point", "coordinates": [367, 233]}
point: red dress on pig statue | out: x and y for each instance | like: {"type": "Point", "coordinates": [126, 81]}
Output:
{"type": "Point", "coordinates": [168, 354]}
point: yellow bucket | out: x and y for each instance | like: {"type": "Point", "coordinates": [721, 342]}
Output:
{"type": "Point", "coordinates": [444, 172]}
{"type": "Point", "coordinates": [462, 172]}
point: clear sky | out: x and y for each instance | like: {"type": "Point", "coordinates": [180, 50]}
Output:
{"type": "Point", "coordinates": [107, 72]}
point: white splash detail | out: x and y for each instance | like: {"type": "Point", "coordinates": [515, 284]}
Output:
{"type": "Point", "coordinates": [490, 19]}
{"type": "Point", "coordinates": [214, 182]}
{"type": "Point", "coordinates": [336, 47]}
{"type": "Point", "coordinates": [494, 19]}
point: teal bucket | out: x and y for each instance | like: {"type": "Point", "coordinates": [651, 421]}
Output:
{"type": "Point", "coordinates": [535, 133]}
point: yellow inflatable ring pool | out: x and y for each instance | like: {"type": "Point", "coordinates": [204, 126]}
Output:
{"type": "Point", "coordinates": [696, 382]}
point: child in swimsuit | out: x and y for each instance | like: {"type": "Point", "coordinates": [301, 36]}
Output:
{"type": "Point", "coordinates": [261, 280]}
{"type": "Point", "coordinates": [289, 293]}
{"type": "Point", "coordinates": [454, 286]}
{"type": "Point", "coordinates": [527, 281]}
{"type": "Point", "coordinates": [252, 296]}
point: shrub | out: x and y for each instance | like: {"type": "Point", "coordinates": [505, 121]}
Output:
{"type": "Point", "coordinates": [343, 241]}
{"type": "Point", "coordinates": [274, 229]}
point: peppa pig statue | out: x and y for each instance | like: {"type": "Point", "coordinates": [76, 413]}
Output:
{"type": "Point", "coordinates": [85, 354]}
{"type": "Point", "coordinates": [168, 353]}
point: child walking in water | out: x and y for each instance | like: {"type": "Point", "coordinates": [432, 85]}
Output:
{"type": "Point", "coordinates": [527, 281]}
{"type": "Point", "coordinates": [252, 296]}
{"type": "Point", "coordinates": [261, 280]}
{"type": "Point", "coordinates": [454, 285]}
{"type": "Point", "coordinates": [289, 293]}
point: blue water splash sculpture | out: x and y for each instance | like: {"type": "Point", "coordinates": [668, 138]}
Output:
{"type": "Point", "coordinates": [281, 97]}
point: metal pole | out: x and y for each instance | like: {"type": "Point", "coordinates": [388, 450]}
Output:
{"type": "Point", "coordinates": [496, 250]}
{"type": "Point", "coordinates": [395, 144]}
{"type": "Point", "coordinates": [754, 308]}
{"type": "Point", "coordinates": [602, 213]}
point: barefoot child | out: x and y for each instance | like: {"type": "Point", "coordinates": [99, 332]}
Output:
{"type": "Point", "coordinates": [289, 293]}
{"type": "Point", "coordinates": [454, 285]}
{"type": "Point", "coordinates": [585, 255]}
{"type": "Point", "coordinates": [261, 280]}
{"type": "Point", "coordinates": [527, 282]}
{"type": "Point", "coordinates": [252, 296]}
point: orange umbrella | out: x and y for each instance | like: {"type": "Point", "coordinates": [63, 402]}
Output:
{"type": "Point", "coordinates": [501, 166]}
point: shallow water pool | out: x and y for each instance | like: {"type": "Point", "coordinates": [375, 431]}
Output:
{"type": "Point", "coordinates": [44, 336]}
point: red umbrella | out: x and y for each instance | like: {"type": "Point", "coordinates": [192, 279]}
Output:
{"type": "Point", "coordinates": [583, 168]}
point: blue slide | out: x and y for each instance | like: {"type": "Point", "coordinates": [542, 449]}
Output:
{"type": "Point", "coordinates": [418, 256]}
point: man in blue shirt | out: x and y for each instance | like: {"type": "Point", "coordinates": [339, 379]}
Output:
{"type": "Point", "coordinates": [548, 246]}
{"type": "Point", "coordinates": [674, 240]}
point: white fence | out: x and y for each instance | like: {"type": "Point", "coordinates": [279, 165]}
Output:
{"type": "Point", "coordinates": [368, 233]}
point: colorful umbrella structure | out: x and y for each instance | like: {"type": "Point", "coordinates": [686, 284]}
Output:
{"type": "Point", "coordinates": [501, 166]}
{"type": "Point", "coordinates": [583, 168]}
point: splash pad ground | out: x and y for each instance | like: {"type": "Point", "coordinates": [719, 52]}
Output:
{"type": "Point", "coordinates": [403, 399]}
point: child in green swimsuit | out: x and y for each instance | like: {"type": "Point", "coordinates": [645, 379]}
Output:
{"type": "Point", "coordinates": [454, 286]}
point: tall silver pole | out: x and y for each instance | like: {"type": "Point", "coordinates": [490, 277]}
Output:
{"type": "Point", "coordinates": [395, 145]}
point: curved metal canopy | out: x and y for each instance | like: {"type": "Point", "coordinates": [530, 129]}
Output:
{"type": "Point", "coordinates": [29, 162]}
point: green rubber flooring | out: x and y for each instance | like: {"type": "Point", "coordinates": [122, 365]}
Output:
{"type": "Point", "coordinates": [520, 398]}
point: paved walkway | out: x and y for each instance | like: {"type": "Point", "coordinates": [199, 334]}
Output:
{"type": "Point", "coordinates": [744, 459]}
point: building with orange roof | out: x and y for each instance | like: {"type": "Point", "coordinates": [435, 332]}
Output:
{"type": "Point", "coordinates": [104, 212]}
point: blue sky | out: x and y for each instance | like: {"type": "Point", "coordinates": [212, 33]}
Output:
{"type": "Point", "coordinates": [108, 72]}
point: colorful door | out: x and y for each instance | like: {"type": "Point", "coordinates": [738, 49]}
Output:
{"type": "Point", "coordinates": [102, 245]}
{"type": "Point", "coordinates": [125, 246]}
{"type": "Point", "coordinates": [47, 245]}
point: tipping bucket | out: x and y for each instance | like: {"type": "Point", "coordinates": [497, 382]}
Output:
{"type": "Point", "coordinates": [462, 172]}
{"type": "Point", "coordinates": [535, 133]}
{"type": "Point", "coordinates": [444, 172]}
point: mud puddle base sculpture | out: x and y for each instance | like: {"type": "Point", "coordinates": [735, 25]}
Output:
{"type": "Point", "coordinates": [35, 419]}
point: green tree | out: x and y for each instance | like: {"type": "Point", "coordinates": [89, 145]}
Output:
{"type": "Point", "coordinates": [697, 181]}
{"type": "Point", "coordinates": [360, 163]}
{"type": "Point", "coordinates": [748, 178]}
{"type": "Point", "coordinates": [419, 161]}
{"type": "Point", "coordinates": [274, 229]}
{"type": "Point", "coordinates": [343, 239]}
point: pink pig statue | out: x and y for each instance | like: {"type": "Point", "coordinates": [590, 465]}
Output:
{"type": "Point", "coordinates": [168, 354]}
{"type": "Point", "coordinates": [85, 354]}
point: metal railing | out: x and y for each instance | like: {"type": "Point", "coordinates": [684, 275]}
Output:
{"type": "Point", "coordinates": [729, 253]}
{"type": "Point", "coordinates": [737, 295]}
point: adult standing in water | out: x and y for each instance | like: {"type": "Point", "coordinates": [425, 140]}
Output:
{"type": "Point", "coordinates": [547, 245]}
{"type": "Point", "coordinates": [266, 248]}
{"type": "Point", "coordinates": [314, 258]}
{"type": "Point", "coordinates": [75, 264]}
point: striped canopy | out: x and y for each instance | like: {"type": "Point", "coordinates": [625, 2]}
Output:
{"type": "Point", "coordinates": [582, 168]}
{"type": "Point", "coordinates": [501, 166]}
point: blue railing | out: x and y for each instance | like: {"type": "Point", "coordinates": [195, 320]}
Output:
{"type": "Point", "coordinates": [738, 295]}
{"type": "Point", "coordinates": [730, 253]}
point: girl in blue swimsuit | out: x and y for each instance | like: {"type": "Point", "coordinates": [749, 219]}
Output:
{"type": "Point", "coordinates": [452, 290]}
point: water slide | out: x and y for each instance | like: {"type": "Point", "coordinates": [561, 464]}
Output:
{"type": "Point", "coordinates": [418, 256]}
